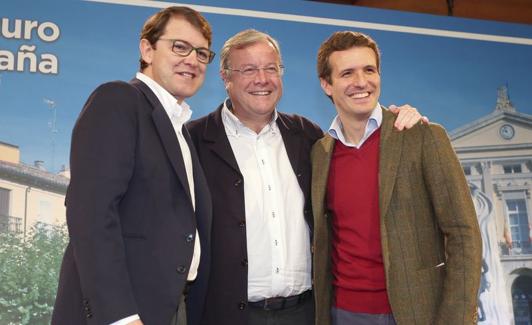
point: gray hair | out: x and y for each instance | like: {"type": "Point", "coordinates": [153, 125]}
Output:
{"type": "Point", "coordinates": [242, 40]}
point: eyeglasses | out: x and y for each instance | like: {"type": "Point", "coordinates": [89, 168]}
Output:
{"type": "Point", "coordinates": [251, 71]}
{"type": "Point", "coordinates": [184, 48]}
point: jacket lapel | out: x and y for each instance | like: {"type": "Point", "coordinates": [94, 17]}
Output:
{"type": "Point", "coordinates": [321, 160]}
{"type": "Point", "coordinates": [166, 133]}
{"type": "Point", "coordinates": [390, 154]}
{"type": "Point", "coordinates": [292, 144]}
{"type": "Point", "coordinates": [203, 197]}
{"type": "Point", "coordinates": [216, 138]}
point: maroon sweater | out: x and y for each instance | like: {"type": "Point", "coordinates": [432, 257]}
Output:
{"type": "Point", "coordinates": [353, 199]}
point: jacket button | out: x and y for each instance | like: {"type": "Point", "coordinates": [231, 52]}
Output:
{"type": "Point", "coordinates": [242, 223]}
{"type": "Point", "coordinates": [299, 175]}
{"type": "Point", "coordinates": [89, 315]}
{"type": "Point", "coordinates": [306, 211]}
{"type": "Point", "coordinates": [189, 238]}
{"type": "Point", "coordinates": [238, 182]}
{"type": "Point", "coordinates": [242, 305]}
{"type": "Point", "coordinates": [245, 262]}
{"type": "Point", "coordinates": [181, 269]}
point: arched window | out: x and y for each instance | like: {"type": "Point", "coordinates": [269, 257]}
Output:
{"type": "Point", "coordinates": [522, 299]}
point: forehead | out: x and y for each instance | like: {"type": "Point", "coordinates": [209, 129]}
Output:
{"type": "Point", "coordinates": [352, 58]}
{"type": "Point", "coordinates": [179, 28]}
{"type": "Point", "coordinates": [258, 53]}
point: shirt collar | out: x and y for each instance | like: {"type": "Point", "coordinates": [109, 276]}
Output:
{"type": "Point", "coordinates": [374, 122]}
{"type": "Point", "coordinates": [178, 113]}
{"type": "Point", "coordinates": [235, 126]}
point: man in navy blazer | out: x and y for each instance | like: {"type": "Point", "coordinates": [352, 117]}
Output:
{"type": "Point", "coordinates": [138, 199]}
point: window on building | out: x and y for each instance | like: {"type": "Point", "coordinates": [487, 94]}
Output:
{"type": "Point", "coordinates": [45, 212]}
{"type": "Point", "coordinates": [518, 223]}
{"type": "Point", "coordinates": [5, 219]}
{"type": "Point", "coordinates": [512, 169]}
{"type": "Point", "coordinates": [4, 202]}
{"type": "Point", "coordinates": [522, 299]}
{"type": "Point", "coordinates": [467, 170]}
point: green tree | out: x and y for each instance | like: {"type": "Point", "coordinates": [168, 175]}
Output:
{"type": "Point", "coordinates": [29, 270]}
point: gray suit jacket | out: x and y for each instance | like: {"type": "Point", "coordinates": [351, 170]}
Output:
{"type": "Point", "coordinates": [429, 231]}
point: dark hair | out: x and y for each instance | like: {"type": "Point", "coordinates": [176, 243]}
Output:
{"type": "Point", "coordinates": [341, 41]}
{"type": "Point", "coordinates": [155, 25]}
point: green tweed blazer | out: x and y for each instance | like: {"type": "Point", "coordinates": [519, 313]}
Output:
{"type": "Point", "coordinates": [431, 244]}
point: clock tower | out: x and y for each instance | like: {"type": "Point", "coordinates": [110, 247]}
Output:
{"type": "Point", "coordinates": [496, 154]}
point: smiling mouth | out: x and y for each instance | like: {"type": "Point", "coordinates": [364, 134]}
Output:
{"type": "Point", "coordinates": [187, 74]}
{"type": "Point", "coordinates": [360, 95]}
{"type": "Point", "coordinates": [260, 93]}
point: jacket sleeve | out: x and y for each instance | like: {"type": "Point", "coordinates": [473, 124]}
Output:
{"type": "Point", "coordinates": [102, 163]}
{"type": "Point", "coordinates": [457, 219]}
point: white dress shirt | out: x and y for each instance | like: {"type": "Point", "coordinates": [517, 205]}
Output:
{"type": "Point", "coordinates": [336, 130]}
{"type": "Point", "coordinates": [179, 115]}
{"type": "Point", "coordinates": [278, 240]}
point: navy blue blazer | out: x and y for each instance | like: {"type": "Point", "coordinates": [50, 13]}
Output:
{"type": "Point", "coordinates": [129, 214]}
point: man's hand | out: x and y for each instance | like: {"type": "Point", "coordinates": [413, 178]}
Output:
{"type": "Point", "coordinates": [407, 117]}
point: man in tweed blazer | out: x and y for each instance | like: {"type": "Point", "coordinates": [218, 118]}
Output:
{"type": "Point", "coordinates": [421, 258]}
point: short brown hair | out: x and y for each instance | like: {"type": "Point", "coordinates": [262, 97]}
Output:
{"type": "Point", "coordinates": [155, 25]}
{"type": "Point", "coordinates": [341, 41]}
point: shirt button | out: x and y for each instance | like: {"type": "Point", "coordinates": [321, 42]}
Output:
{"type": "Point", "coordinates": [181, 269]}
{"type": "Point", "coordinates": [242, 305]}
{"type": "Point", "coordinates": [189, 238]}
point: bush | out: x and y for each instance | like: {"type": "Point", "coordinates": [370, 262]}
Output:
{"type": "Point", "coordinates": [29, 270]}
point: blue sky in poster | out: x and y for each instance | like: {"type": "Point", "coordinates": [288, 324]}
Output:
{"type": "Point", "coordinates": [453, 81]}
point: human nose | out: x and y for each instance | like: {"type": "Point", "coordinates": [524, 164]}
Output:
{"type": "Point", "coordinates": [359, 79]}
{"type": "Point", "coordinates": [261, 76]}
{"type": "Point", "coordinates": [191, 58]}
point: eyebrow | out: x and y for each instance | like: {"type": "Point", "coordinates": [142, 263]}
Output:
{"type": "Point", "coordinates": [353, 69]}
{"type": "Point", "coordinates": [258, 65]}
{"type": "Point", "coordinates": [185, 41]}
{"type": "Point", "coordinates": [346, 70]}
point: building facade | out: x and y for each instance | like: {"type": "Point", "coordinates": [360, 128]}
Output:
{"type": "Point", "coordinates": [496, 154]}
{"type": "Point", "coordinates": [28, 194]}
